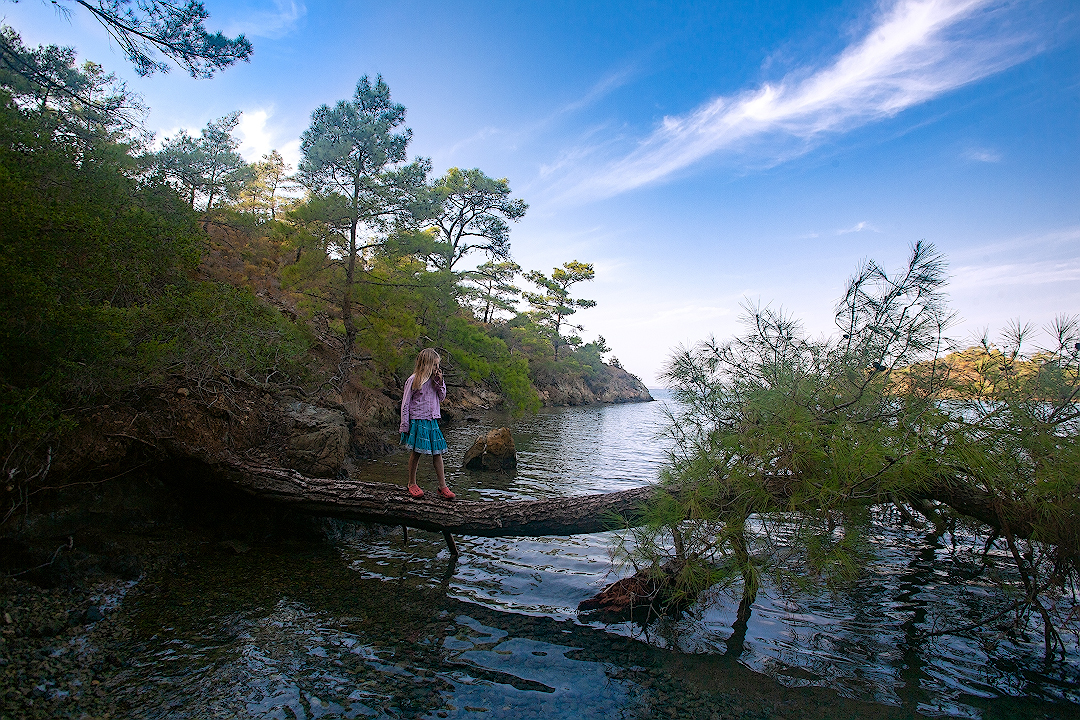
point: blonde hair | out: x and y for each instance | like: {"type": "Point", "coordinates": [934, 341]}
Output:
{"type": "Point", "coordinates": [426, 363]}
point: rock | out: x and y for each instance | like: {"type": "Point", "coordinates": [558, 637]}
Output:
{"type": "Point", "coordinates": [93, 614]}
{"type": "Point", "coordinates": [609, 385]}
{"type": "Point", "coordinates": [183, 392]}
{"type": "Point", "coordinates": [494, 451]}
{"type": "Point", "coordinates": [318, 440]}
{"type": "Point", "coordinates": [645, 589]}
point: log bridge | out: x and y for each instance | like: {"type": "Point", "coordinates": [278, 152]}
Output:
{"type": "Point", "coordinates": [392, 505]}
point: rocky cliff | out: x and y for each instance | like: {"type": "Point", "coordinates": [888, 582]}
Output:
{"type": "Point", "coordinates": [609, 385]}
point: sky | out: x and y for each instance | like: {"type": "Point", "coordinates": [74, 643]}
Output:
{"type": "Point", "coordinates": [701, 155]}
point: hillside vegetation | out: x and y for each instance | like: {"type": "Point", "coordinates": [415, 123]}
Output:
{"type": "Point", "coordinates": [128, 267]}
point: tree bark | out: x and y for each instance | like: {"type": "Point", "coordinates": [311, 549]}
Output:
{"type": "Point", "coordinates": [392, 505]}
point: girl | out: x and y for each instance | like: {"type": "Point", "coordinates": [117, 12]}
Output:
{"type": "Point", "coordinates": [424, 390]}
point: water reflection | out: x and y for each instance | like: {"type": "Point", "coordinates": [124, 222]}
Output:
{"type": "Point", "coordinates": [509, 669]}
{"type": "Point", "coordinates": [294, 634]}
{"type": "Point", "coordinates": [561, 451]}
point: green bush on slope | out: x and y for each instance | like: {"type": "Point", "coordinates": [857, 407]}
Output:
{"type": "Point", "coordinates": [99, 297]}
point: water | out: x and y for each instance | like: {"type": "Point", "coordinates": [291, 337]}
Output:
{"type": "Point", "coordinates": [370, 627]}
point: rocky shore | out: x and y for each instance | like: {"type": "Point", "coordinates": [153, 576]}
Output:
{"type": "Point", "coordinates": [56, 649]}
{"type": "Point", "coordinates": [614, 385]}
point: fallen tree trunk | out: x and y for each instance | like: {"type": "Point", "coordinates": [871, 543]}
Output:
{"type": "Point", "coordinates": [392, 505]}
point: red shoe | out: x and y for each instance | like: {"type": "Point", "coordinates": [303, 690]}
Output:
{"type": "Point", "coordinates": [446, 493]}
{"type": "Point", "coordinates": [415, 491]}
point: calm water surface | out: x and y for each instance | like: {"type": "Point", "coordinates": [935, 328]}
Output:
{"type": "Point", "coordinates": [371, 627]}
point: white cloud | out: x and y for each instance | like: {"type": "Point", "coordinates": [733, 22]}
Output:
{"type": "Point", "coordinates": [1061, 241]}
{"type": "Point", "coordinates": [256, 139]}
{"type": "Point", "coordinates": [982, 155]}
{"type": "Point", "coordinates": [857, 228]}
{"type": "Point", "coordinates": [918, 50]}
{"type": "Point", "coordinates": [1032, 277]}
{"type": "Point", "coordinates": [271, 20]}
{"type": "Point", "coordinates": [290, 151]}
{"type": "Point", "coordinates": [1027, 274]}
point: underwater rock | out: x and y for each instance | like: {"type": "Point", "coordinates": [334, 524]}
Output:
{"type": "Point", "coordinates": [649, 588]}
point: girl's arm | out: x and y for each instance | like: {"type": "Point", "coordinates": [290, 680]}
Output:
{"type": "Point", "coordinates": [406, 398]}
{"type": "Point", "coordinates": [440, 387]}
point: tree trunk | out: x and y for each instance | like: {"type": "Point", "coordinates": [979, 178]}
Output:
{"type": "Point", "coordinates": [392, 505]}
{"type": "Point", "coordinates": [346, 299]}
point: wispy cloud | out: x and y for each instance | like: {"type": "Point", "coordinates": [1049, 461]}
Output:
{"type": "Point", "coordinates": [1033, 259]}
{"type": "Point", "coordinates": [916, 51]}
{"type": "Point", "coordinates": [259, 18]}
{"type": "Point", "coordinates": [1039, 272]}
{"type": "Point", "coordinates": [600, 89]}
{"type": "Point", "coordinates": [512, 138]}
{"type": "Point", "coordinates": [1060, 241]}
{"type": "Point", "coordinates": [857, 228]}
{"type": "Point", "coordinates": [481, 135]}
{"type": "Point", "coordinates": [982, 155]}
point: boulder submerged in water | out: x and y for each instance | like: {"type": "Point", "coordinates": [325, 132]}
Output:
{"type": "Point", "coordinates": [494, 451]}
{"type": "Point", "coordinates": [646, 590]}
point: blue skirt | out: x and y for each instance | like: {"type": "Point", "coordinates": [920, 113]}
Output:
{"type": "Point", "coordinates": [424, 437]}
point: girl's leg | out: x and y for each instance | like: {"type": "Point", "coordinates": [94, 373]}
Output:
{"type": "Point", "coordinates": [444, 490]}
{"type": "Point", "coordinates": [436, 461]}
{"type": "Point", "coordinates": [414, 462]}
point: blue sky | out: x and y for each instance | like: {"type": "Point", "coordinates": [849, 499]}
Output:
{"type": "Point", "coordinates": [698, 154]}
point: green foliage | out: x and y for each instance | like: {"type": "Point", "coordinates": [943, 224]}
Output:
{"type": "Point", "coordinates": [259, 192]}
{"type": "Point", "coordinates": [207, 166]}
{"type": "Point", "coordinates": [78, 235]}
{"type": "Point", "coordinates": [469, 211]}
{"type": "Point", "coordinates": [787, 447]}
{"type": "Point", "coordinates": [491, 289]}
{"type": "Point", "coordinates": [100, 299]}
{"type": "Point", "coordinates": [354, 166]}
{"type": "Point", "coordinates": [213, 330]}
{"type": "Point", "coordinates": [85, 104]}
{"type": "Point", "coordinates": [173, 30]}
{"type": "Point", "coordinates": [553, 304]}
{"type": "Point", "coordinates": [482, 357]}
